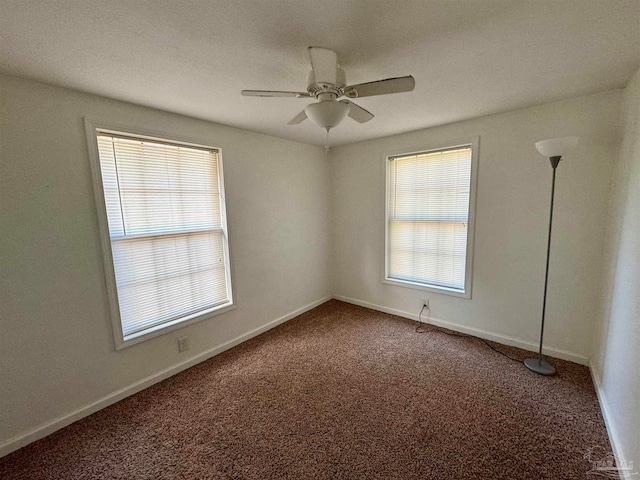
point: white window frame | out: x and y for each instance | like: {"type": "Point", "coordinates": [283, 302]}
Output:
{"type": "Point", "coordinates": [93, 129]}
{"type": "Point", "coordinates": [472, 142]}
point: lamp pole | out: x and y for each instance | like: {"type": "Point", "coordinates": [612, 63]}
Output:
{"type": "Point", "coordinates": [553, 150]}
{"type": "Point", "coordinates": [539, 365]}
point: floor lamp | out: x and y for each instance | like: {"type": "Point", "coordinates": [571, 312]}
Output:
{"type": "Point", "coordinates": [553, 149]}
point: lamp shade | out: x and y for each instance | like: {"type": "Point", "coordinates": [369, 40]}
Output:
{"type": "Point", "coordinates": [555, 147]}
{"type": "Point", "coordinates": [327, 114]}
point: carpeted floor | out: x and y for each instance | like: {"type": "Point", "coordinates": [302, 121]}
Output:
{"type": "Point", "coordinates": [339, 392]}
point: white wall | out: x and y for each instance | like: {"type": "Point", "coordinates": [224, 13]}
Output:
{"type": "Point", "coordinates": [514, 184]}
{"type": "Point", "coordinates": [286, 202]}
{"type": "Point", "coordinates": [56, 345]}
{"type": "Point", "coordinates": [616, 358]}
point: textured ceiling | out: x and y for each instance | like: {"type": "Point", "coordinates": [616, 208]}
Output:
{"type": "Point", "coordinates": [469, 58]}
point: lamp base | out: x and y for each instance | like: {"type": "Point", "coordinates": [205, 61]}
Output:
{"type": "Point", "coordinates": [539, 366]}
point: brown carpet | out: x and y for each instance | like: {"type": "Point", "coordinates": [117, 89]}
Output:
{"type": "Point", "coordinates": [339, 392]}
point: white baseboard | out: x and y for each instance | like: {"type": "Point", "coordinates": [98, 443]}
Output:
{"type": "Point", "coordinates": [494, 337]}
{"type": "Point", "coordinates": [48, 428]}
{"type": "Point", "coordinates": [608, 422]}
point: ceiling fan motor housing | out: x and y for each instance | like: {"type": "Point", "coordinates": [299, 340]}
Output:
{"type": "Point", "coordinates": [315, 89]}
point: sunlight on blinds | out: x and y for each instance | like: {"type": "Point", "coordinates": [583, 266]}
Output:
{"type": "Point", "coordinates": [165, 221]}
{"type": "Point", "coordinates": [428, 208]}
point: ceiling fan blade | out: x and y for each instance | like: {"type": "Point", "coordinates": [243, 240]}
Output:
{"type": "Point", "coordinates": [358, 113]}
{"type": "Point", "coordinates": [298, 118]}
{"type": "Point", "coordinates": [270, 93]}
{"type": "Point", "coordinates": [324, 63]}
{"type": "Point", "coordinates": [381, 87]}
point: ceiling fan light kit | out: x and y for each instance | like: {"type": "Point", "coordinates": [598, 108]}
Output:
{"type": "Point", "coordinates": [327, 114]}
{"type": "Point", "coordinates": [327, 82]}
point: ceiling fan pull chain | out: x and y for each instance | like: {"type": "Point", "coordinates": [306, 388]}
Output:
{"type": "Point", "coordinates": [326, 142]}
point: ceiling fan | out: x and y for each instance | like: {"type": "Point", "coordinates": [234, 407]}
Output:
{"type": "Point", "coordinates": [327, 82]}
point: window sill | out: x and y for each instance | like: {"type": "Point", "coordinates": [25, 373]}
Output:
{"type": "Point", "coordinates": [164, 328]}
{"type": "Point", "coordinates": [429, 288]}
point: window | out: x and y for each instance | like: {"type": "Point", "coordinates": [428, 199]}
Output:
{"type": "Point", "coordinates": [429, 222]}
{"type": "Point", "coordinates": [164, 224]}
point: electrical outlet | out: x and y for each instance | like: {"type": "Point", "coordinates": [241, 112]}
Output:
{"type": "Point", "coordinates": [425, 302]}
{"type": "Point", "coordinates": [183, 344]}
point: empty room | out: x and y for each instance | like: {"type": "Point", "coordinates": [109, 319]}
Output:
{"type": "Point", "coordinates": [352, 239]}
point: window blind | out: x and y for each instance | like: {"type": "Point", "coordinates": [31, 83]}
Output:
{"type": "Point", "coordinates": [428, 213]}
{"type": "Point", "coordinates": [164, 213]}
